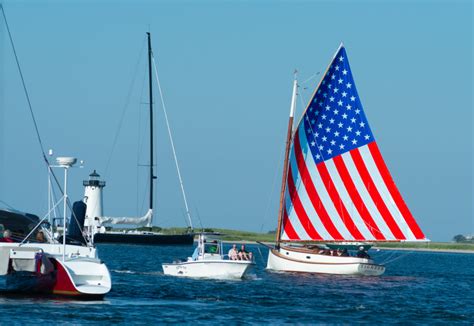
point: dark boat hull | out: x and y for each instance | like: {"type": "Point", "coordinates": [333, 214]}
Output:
{"type": "Point", "coordinates": [146, 239]}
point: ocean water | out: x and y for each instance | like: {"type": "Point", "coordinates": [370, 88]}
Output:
{"type": "Point", "coordinates": [417, 288]}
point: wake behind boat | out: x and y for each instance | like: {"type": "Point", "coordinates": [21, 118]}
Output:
{"type": "Point", "coordinates": [208, 261]}
{"type": "Point", "coordinates": [336, 188]}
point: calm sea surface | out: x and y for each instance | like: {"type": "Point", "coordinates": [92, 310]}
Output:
{"type": "Point", "coordinates": [417, 288]}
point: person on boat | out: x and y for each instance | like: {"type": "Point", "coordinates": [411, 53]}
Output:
{"type": "Point", "coordinates": [40, 237]}
{"type": "Point", "coordinates": [7, 236]}
{"type": "Point", "coordinates": [233, 253]}
{"type": "Point", "coordinates": [213, 248]}
{"type": "Point", "coordinates": [244, 254]}
{"type": "Point", "coordinates": [362, 253]}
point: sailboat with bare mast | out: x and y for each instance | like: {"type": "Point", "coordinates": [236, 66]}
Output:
{"type": "Point", "coordinates": [337, 194]}
{"type": "Point", "coordinates": [95, 220]}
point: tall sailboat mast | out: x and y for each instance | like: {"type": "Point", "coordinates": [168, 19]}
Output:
{"type": "Point", "coordinates": [285, 164]}
{"type": "Point", "coordinates": [150, 85]}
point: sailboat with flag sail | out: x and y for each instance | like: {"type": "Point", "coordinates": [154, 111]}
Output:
{"type": "Point", "coordinates": [337, 193]}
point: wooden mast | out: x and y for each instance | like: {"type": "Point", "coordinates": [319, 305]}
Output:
{"type": "Point", "coordinates": [285, 164]}
{"type": "Point", "coordinates": [150, 85]}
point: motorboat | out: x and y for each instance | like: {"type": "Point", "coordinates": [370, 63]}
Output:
{"type": "Point", "coordinates": [209, 261]}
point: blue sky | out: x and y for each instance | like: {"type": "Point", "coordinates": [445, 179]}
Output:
{"type": "Point", "coordinates": [226, 69]}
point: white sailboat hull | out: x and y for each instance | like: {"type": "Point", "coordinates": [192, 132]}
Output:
{"type": "Point", "coordinates": [217, 269]}
{"type": "Point", "coordinates": [307, 261]}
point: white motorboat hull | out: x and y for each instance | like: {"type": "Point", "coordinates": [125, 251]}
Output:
{"type": "Point", "coordinates": [81, 274]}
{"type": "Point", "coordinates": [217, 269]}
{"type": "Point", "coordinates": [306, 261]}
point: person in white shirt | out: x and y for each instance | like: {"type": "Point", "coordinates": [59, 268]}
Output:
{"type": "Point", "coordinates": [233, 254]}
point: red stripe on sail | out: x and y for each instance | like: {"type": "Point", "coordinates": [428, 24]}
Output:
{"type": "Point", "coordinates": [392, 188]}
{"type": "Point", "coordinates": [356, 199]}
{"type": "Point", "coordinates": [312, 193]}
{"type": "Point", "coordinates": [338, 204]}
{"type": "Point", "coordinates": [375, 195]}
{"type": "Point", "coordinates": [289, 230]}
{"type": "Point", "coordinates": [299, 209]}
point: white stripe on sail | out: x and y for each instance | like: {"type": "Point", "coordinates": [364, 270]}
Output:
{"type": "Point", "coordinates": [284, 236]}
{"type": "Point", "coordinates": [295, 221]}
{"type": "Point", "coordinates": [322, 191]}
{"type": "Point", "coordinates": [385, 193]}
{"type": "Point", "coordinates": [366, 198]}
{"type": "Point", "coordinates": [306, 201]}
{"type": "Point", "coordinates": [346, 199]}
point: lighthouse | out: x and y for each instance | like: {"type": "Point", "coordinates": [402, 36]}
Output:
{"type": "Point", "coordinates": [93, 199]}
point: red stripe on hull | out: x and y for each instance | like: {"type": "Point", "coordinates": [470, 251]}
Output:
{"type": "Point", "coordinates": [392, 188]}
{"type": "Point", "coordinates": [299, 209]}
{"type": "Point", "coordinates": [63, 284]}
{"type": "Point", "coordinates": [312, 193]}
{"type": "Point", "coordinates": [375, 195]}
{"type": "Point", "coordinates": [289, 230]}
{"type": "Point", "coordinates": [356, 199]}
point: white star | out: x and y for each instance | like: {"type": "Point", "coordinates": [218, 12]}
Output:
{"type": "Point", "coordinates": [348, 106]}
{"type": "Point", "coordinates": [367, 137]}
{"type": "Point", "coordinates": [358, 133]}
{"type": "Point", "coordinates": [336, 89]}
{"type": "Point", "coordinates": [316, 113]}
{"type": "Point", "coordinates": [333, 76]}
{"type": "Point", "coordinates": [340, 124]}
{"type": "Point", "coordinates": [320, 125]}
{"type": "Point", "coordinates": [324, 82]}
{"type": "Point", "coordinates": [324, 138]}
{"type": "Point", "coordinates": [344, 94]}
{"type": "Point", "coordinates": [318, 156]}
{"type": "Point", "coordinates": [349, 128]}
{"type": "Point", "coordinates": [345, 137]}
{"type": "Point", "coordinates": [348, 85]}
{"type": "Point", "coordinates": [313, 143]}
{"type": "Point", "coordinates": [331, 99]}
{"type": "Point", "coordinates": [354, 141]}
{"type": "Point", "coordinates": [341, 146]}
{"type": "Point", "coordinates": [328, 129]}
{"type": "Point", "coordinates": [353, 120]}
{"type": "Point", "coordinates": [340, 81]}
{"type": "Point", "coordinates": [316, 134]}
{"type": "Point", "coordinates": [331, 120]}
{"type": "Point", "coordinates": [336, 134]}
{"type": "Point", "coordinates": [333, 142]}
{"type": "Point", "coordinates": [357, 111]}
{"type": "Point", "coordinates": [308, 131]}
{"type": "Point", "coordinates": [329, 151]}
{"type": "Point", "coordinates": [313, 121]}
{"type": "Point", "coordinates": [344, 72]}
{"type": "Point", "coordinates": [353, 98]}
{"type": "Point", "coordinates": [344, 116]}
{"type": "Point", "coordinates": [362, 124]}
{"type": "Point", "coordinates": [329, 86]}
{"type": "Point", "coordinates": [320, 147]}
{"type": "Point", "coordinates": [323, 117]}
{"type": "Point", "coordinates": [339, 103]}
{"type": "Point", "coordinates": [337, 67]}
{"type": "Point", "coordinates": [328, 107]}
{"type": "Point", "coordinates": [307, 118]}
{"type": "Point", "coordinates": [341, 58]}
{"type": "Point", "coordinates": [325, 95]}
{"type": "Point", "coordinates": [336, 111]}
{"type": "Point", "coordinates": [311, 109]}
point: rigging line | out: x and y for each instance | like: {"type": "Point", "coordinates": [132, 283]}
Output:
{"type": "Point", "coordinates": [172, 144]}
{"type": "Point", "coordinates": [311, 78]}
{"type": "Point", "coordinates": [124, 109]}
{"type": "Point", "coordinates": [265, 216]}
{"type": "Point", "coordinates": [38, 136]}
{"type": "Point", "coordinates": [24, 86]}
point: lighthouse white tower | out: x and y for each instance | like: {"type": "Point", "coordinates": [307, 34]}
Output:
{"type": "Point", "coordinates": [93, 200]}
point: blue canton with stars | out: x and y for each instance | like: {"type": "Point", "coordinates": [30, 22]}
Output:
{"type": "Point", "coordinates": [335, 122]}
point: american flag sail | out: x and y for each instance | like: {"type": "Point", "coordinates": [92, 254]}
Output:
{"type": "Point", "coordinates": [338, 187]}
